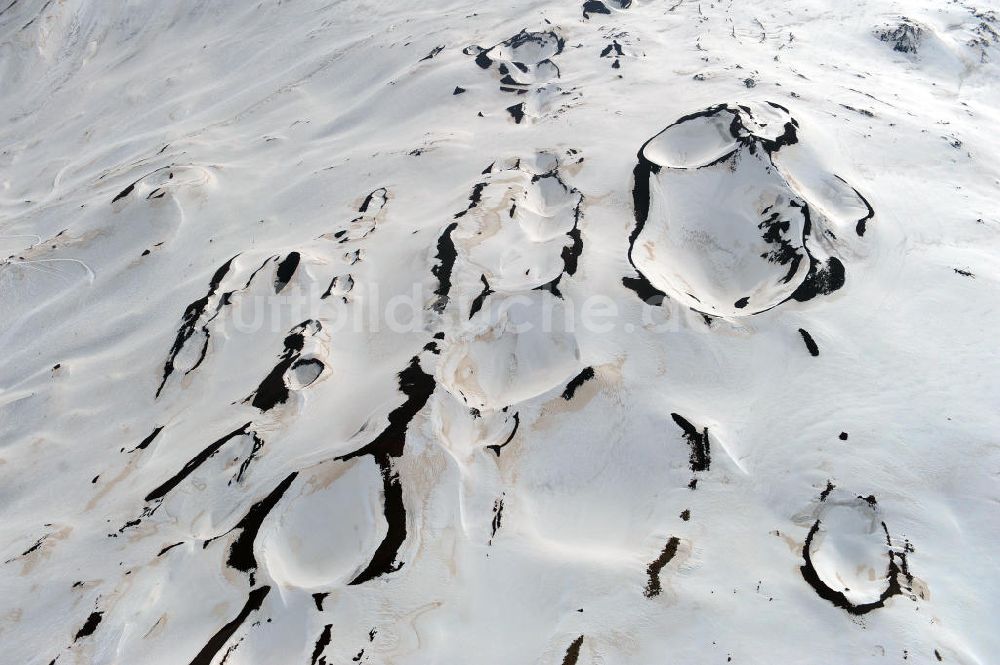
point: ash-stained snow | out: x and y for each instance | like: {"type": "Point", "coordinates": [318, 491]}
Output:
{"type": "Point", "coordinates": [558, 332]}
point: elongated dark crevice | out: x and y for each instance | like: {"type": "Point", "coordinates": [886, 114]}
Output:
{"type": "Point", "coordinates": [810, 342]}
{"type": "Point", "coordinates": [573, 652]}
{"type": "Point", "coordinates": [224, 300]}
{"type": "Point", "coordinates": [254, 273]}
{"type": "Point", "coordinates": [194, 463]}
{"type": "Point", "coordinates": [342, 283]}
{"type": "Point", "coordinates": [571, 253]}
{"type": "Point", "coordinates": [446, 256]}
{"type": "Point", "coordinates": [497, 517]}
{"type": "Point", "coordinates": [496, 448]}
{"type": "Point", "coordinates": [168, 548]}
{"type": "Point", "coordinates": [434, 52]}
{"type": "Point", "coordinates": [189, 321]}
{"type": "Point", "coordinates": [286, 268]}
{"type": "Point", "coordinates": [701, 454]}
{"type": "Point", "coordinates": [475, 197]}
{"type": "Point", "coordinates": [218, 641]}
{"type": "Point", "coordinates": [257, 444]}
{"type": "Point", "coordinates": [653, 585]}
{"type": "Point", "coordinates": [639, 284]}
{"type": "Point", "coordinates": [477, 304]}
{"type": "Point", "coordinates": [321, 644]}
{"type": "Point", "coordinates": [383, 561]}
{"type": "Point", "coordinates": [89, 626]}
{"type": "Point", "coordinates": [128, 190]}
{"type": "Point", "coordinates": [35, 546]}
{"type": "Point", "coordinates": [862, 224]}
{"type": "Point", "coordinates": [586, 375]}
{"type": "Point", "coordinates": [381, 192]}
{"type": "Point", "coordinates": [318, 598]}
{"type": "Point", "coordinates": [418, 386]}
{"type": "Point", "coordinates": [8, 7]}
{"type": "Point", "coordinates": [241, 555]}
{"type": "Point", "coordinates": [148, 440]}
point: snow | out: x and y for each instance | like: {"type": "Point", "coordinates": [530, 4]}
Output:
{"type": "Point", "coordinates": [309, 358]}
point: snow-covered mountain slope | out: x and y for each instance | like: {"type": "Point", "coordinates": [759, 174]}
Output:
{"type": "Point", "coordinates": [517, 332]}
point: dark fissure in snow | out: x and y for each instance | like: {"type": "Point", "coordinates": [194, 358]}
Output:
{"type": "Point", "coordinates": [810, 342]}
{"type": "Point", "coordinates": [701, 456]}
{"type": "Point", "coordinates": [215, 644]}
{"type": "Point", "coordinates": [586, 375]}
{"type": "Point", "coordinates": [194, 463]}
{"type": "Point", "coordinates": [653, 586]}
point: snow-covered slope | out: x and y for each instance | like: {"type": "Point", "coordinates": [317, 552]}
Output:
{"type": "Point", "coordinates": [533, 332]}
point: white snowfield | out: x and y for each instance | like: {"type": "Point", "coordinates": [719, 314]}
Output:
{"type": "Point", "coordinates": [564, 332]}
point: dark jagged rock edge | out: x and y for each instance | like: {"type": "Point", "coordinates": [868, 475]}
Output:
{"type": "Point", "coordinates": [321, 644]}
{"type": "Point", "coordinates": [614, 51]}
{"type": "Point", "coordinates": [477, 304]}
{"type": "Point", "coordinates": [256, 444]}
{"type": "Point", "coordinates": [822, 278]}
{"type": "Point", "coordinates": [286, 268]}
{"type": "Point", "coordinates": [598, 7]}
{"type": "Point", "coordinates": [194, 463]}
{"type": "Point", "coordinates": [496, 448]}
{"type": "Point", "coordinates": [810, 342]}
{"type": "Point", "coordinates": [128, 190]}
{"type": "Point", "coordinates": [218, 641]}
{"type": "Point", "coordinates": [497, 517]}
{"type": "Point", "coordinates": [573, 652]}
{"type": "Point", "coordinates": [148, 440]}
{"type": "Point", "coordinates": [196, 310]}
{"type": "Point", "coordinates": [434, 52]}
{"type": "Point", "coordinates": [89, 626]}
{"type": "Point", "coordinates": [653, 586]}
{"type": "Point", "coordinates": [586, 375]}
{"type": "Point", "coordinates": [418, 386]}
{"type": "Point", "coordinates": [570, 253]}
{"type": "Point", "coordinates": [272, 389]}
{"type": "Point", "coordinates": [168, 548]}
{"type": "Point", "coordinates": [335, 283]}
{"type": "Point", "coordinates": [484, 61]}
{"type": "Point", "coordinates": [446, 256]}
{"type": "Point", "coordinates": [701, 454]}
{"type": "Point", "coordinates": [507, 83]}
{"type": "Point", "coordinates": [241, 556]}
{"type": "Point", "coordinates": [189, 320]}
{"type": "Point", "coordinates": [893, 574]}
{"type": "Point", "coordinates": [905, 36]}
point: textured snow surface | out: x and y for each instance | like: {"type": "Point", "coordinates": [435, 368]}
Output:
{"type": "Point", "coordinates": [552, 332]}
